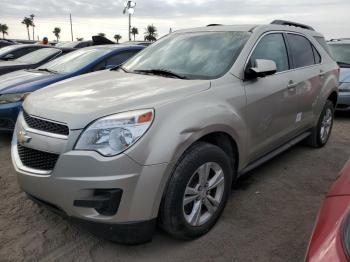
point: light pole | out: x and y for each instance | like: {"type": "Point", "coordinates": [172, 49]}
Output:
{"type": "Point", "coordinates": [129, 7]}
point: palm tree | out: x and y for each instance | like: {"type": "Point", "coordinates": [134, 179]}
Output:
{"type": "Point", "coordinates": [101, 34]}
{"type": "Point", "coordinates": [134, 31]}
{"type": "Point", "coordinates": [3, 29]}
{"type": "Point", "coordinates": [151, 33]}
{"type": "Point", "coordinates": [33, 25]}
{"type": "Point", "coordinates": [27, 21]}
{"type": "Point", "coordinates": [56, 31]}
{"type": "Point", "coordinates": [117, 37]}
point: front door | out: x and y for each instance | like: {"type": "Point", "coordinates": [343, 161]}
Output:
{"type": "Point", "coordinates": [272, 100]}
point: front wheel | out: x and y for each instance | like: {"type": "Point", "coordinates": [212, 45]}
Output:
{"type": "Point", "coordinates": [197, 192]}
{"type": "Point", "coordinates": [322, 131]}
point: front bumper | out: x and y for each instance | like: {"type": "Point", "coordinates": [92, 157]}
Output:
{"type": "Point", "coordinates": [78, 174]}
{"type": "Point", "coordinates": [8, 115]}
{"type": "Point", "coordinates": [343, 101]}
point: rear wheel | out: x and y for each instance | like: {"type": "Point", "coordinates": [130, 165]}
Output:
{"type": "Point", "coordinates": [197, 192]}
{"type": "Point", "coordinates": [322, 132]}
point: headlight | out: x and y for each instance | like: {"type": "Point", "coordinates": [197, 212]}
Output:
{"type": "Point", "coordinates": [344, 86]}
{"type": "Point", "coordinates": [12, 98]}
{"type": "Point", "coordinates": [114, 134]}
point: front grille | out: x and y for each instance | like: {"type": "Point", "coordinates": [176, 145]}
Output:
{"type": "Point", "coordinates": [46, 126]}
{"type": "Point", "coordinates": [37, 159]}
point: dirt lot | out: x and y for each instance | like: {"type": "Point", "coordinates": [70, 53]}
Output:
{"type": "Point", "coordinates": [269, 217]}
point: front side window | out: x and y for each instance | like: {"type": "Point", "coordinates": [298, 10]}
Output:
{"type": "Point", "coordinates": [197, 55]}
{"type": "Point", "coordinates": [39, 55]}
{"type": "Point", "coordinates": [301, 50]}
{"type": "Point", "coordinates": [272, 47]}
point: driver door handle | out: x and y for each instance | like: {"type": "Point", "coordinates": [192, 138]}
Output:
{"type": "Point", "coordinates": [291, 86]}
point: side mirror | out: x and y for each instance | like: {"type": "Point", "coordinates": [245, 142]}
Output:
{"type": "Point", "coordinates": [261, 68]}
{"type": "Point", "coordinates": [8, 57]}
{"type": "Point", "coordinates": [108, 67]}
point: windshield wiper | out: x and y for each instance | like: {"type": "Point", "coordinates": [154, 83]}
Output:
{"type": "Point", "coordinates": [162, 72]}
{"type": "Point", "coordinates": [47, 70]}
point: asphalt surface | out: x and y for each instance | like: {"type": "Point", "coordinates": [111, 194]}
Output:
{"type": "Point", "coordinates": [269, 216]}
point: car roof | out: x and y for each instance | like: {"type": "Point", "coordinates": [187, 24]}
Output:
{"type": "Point", "coordinates": [252, 28]}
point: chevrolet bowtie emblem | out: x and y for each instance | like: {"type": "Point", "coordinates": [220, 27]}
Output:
{"type": "Point", "coordinates": [23, 138]}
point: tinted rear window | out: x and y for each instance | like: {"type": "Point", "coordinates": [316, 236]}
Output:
{"type": "Point", "coordinates": [301, 49]}
{"type": "Point", "coordinates": [323, 43]}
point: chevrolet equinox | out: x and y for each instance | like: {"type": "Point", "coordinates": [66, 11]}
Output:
{"type": "Point", "coordinates": [161, 139]}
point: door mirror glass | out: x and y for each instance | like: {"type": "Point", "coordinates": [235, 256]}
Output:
{"type": "Point", "coordinates": [9, 57]}
{"type": "Point", "coordinates": [111, 66]}
{"type": "Point", "coordinates": [261, 68]}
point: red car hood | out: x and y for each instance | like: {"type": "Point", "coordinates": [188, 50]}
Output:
{"type": "Point", "coordinates": [342, 186]}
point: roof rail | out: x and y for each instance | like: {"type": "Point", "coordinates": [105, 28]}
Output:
{"type": "Point", "coordinates": [289, 23]}
{"type": "Point", "coordinates": [213, 25]}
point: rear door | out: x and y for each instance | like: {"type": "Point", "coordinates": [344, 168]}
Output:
{"type": "Point", "coordinates": [308, 76]}
{"type": "Point", "coordinates": [271, 103]}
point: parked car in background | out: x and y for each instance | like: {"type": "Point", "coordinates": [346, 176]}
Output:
{"type": "Point", "coordinates": [15, 86]}
{"type": "Point", "coordinates": [162, 138]}
{"type": "Point", "coordinates": [331, 237]}
{"type": "Point", "coordinates": [75, 44]}
{"type": "Point", "coordinates": [340, 49]}
{"type": "Point", "coordinates": [144, 43]}
{"type": "Point", "coordinates": [5, 42]}
{"type": "Point", "coordinates": [15, 51]}
{"type": "Point", "coordinates": [33, 59]}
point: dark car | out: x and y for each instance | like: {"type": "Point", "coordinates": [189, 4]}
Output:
{"type": "Point", "coordinates": [32, 60]}
{"type": "Point", "coordinates": [15, 51]}
{"type": "Point", "coordinates": [76, 44]}
{"type": "Point", "coordinates": [340, 49]}
{"type": "Point", "coordinates": [6, 42]}
{"type": "Point", "coordinates": [15, 86]}
{"type": "Point", "coordinates": [331, 237]}
{"type": "Point", "coordinates": [144, 43]}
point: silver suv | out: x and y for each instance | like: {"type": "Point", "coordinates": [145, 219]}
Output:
{"type": "Point", "coordinates": [162, 139]}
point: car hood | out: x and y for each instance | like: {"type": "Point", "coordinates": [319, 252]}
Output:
{"type": "Point", "coordinates": [81, 100]}
{"type": "Point", "coordinates": [24, 81]}
{"type": "Point", "coordinates": [344, 75]}
{"type": "Point", "coordinates": [11, 63]}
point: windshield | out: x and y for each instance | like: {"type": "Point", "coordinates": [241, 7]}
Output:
{"type": "Point", "coordinates": [341, 53]}
{"type": "Point", "coordinates": [7, 49]}
{"type": "Point", "coordinates": [38, 55]}
{"type": "Point", "coordinates": [74, 61]}
{"type": "Point", "coordinates": [198, 55]}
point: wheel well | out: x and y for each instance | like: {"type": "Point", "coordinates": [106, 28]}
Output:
{"type": "Point", "coordinates": [333, 98]}
{"type": "Point", "coordinates": [226, 143]}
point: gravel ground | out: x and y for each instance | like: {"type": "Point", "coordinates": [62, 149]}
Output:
{"type": "Point", "coordinates": [269, 216]}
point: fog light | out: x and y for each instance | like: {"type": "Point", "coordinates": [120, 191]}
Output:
{"type": "Point", "coordinates": [104, 201]}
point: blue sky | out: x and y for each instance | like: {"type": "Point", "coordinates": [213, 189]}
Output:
{"type": "Point", "coordinates": [90, 17]}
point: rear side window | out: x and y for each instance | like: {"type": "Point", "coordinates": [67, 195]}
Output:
{"type": "Point", "coordinates": [301, 50]}
{"type": "Point", "coordinates": [323, 43]}
{"type": "Point", "coordinates": [272, 47]}
{"type": "Point", "coordinates": [317, 55]}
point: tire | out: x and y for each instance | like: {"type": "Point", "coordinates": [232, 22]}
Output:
{"type": "Point", "coordinates": [317, 140]}
{"type": "Point", "coordinates": [175, 215]}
